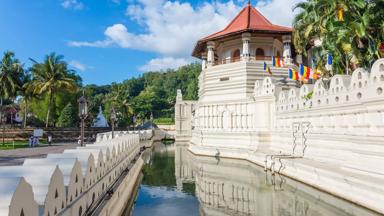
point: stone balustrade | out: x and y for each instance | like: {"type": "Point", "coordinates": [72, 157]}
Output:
{"type": "Point", "coordinates": [144, 134]}
{"type": "Point", "coordinates": [351, 105]}
{"type": "Point", "coordinates": [346, 117]}
{"type": "Point", "coordinates": [67, 183]}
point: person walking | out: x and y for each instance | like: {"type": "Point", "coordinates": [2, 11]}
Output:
{"type": "Point", "coordinates": [31, 141]}
{"type": "Point", "coordinates": [49, 139]}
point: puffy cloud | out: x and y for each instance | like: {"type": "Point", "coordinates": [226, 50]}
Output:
{"type": "Point", "coordinates": [278, 11]}
{"type": "Point", "coordinates": [78, 65]}
{"type": "Point", "coordinates": [158, 64]}
{"type": "Point", "coordinates": [171, 28]}
{"type": "Point", "coordinates": [74, 4]}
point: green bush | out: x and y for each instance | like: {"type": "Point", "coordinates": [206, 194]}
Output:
{"type": "Point", "coordinates": [67, 117]}
{"type": "Point", "coordinates": [164, 121]}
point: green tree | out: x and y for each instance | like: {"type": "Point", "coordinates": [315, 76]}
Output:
{"type": "Point", "coordinates": [11, 76]}
{"type": "Point", "coordinates": [354, 38]}
{"type": "Point", "coordinates": [49, 78]}
{"type": "Point", "coordinates": [119, 99]}
{"type": "Point", "coordinates": [67, 117]}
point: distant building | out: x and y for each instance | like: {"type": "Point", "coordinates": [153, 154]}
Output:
{"type": "Point", "coordinates": [12, 115]}
{"type": "Point", "coordinates": [100, 120]}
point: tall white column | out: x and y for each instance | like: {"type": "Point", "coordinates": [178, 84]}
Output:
{"type": "Point", "coordinates": [287, 49]}
{"type": "Point", "coordinates": [211, 53]}
{"type": "Point", "coordinates": [246, 37]}
{"type": "Point", "coordinates": [204, 62]}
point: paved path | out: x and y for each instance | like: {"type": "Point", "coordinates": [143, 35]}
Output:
{"type": "Point", "coordinates": [17, 156]}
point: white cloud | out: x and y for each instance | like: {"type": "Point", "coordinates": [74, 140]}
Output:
{"type": "Point", "coordinates": [158, 64]}
{"type": "Point", "coordinates": [78, 65]}
{"type": "Point", "coordinates": [278, 11]}
{"type": "Point", "coordinates": [171, 28]}
{"type": "Point", "coordinates": [104, 43]}
{"type": "Point", "coordinates": [74, 4]}
{"type": "Point", "coordinates": [162, 192]}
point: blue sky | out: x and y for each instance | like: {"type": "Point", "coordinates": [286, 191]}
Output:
{"type": "Point", "coordinates": [112, 40]}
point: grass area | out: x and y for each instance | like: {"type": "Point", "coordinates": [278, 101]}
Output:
{"type": "Point", "coordinates": [164, 121]}
{"type": "Point", "coordinates": [16, 145]}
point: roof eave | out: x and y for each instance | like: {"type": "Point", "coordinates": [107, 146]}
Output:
{"type": "Point", "coordinates": [196, 51]}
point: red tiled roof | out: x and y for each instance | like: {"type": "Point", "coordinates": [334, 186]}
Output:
{"type": "Point", "coordinates": [249, 19]}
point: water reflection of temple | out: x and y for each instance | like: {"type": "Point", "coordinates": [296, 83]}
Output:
{"type": "Point", "coordinates": [237, 187]}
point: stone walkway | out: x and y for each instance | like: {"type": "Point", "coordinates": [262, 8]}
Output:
{"type": "Point", "coordinates": [17, 156]}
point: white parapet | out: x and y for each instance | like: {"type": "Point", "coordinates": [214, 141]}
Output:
{"type": "Point", "coordinates": [342, 150]}
{"type": "Point", "coordinates": [67, 183]}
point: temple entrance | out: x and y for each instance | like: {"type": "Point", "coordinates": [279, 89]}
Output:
{"type": "Point", "coordinates": [259, 54]}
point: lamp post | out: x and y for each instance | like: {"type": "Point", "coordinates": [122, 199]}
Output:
{"type": "Point", "coordinates": [83, 113]}
{"type": "Point", "coordinates": [113, 119]}
{"type": "Point", "coordinates": [134, 122]}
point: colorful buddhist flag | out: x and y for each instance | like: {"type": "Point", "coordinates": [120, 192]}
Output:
{"type": "Point", "coordinates": [340, 14]}
{"type": "Point", "coordinates": [316, 75]}
{"type": "Point", "coordinates": [277, 62]}
{"type": "Point", "coordinates": [328, 66]}
{"type": "Point", "coordinates": [267, 68]}
{"type": "Point", "coordinates": [305, 72]}
{"type": "Point", "coordinates": [293, 74]}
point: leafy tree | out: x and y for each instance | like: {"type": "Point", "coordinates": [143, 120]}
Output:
{"type": "Point", "coordinates": [351, 30]}
{"type": "Point", "coordinates": [67, 117]}
{"type": "Point", "coordinates": [11, 76]}
{"type": "Point", "coordinates": [50, 77]}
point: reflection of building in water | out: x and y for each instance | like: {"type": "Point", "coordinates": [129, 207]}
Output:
{"type": "Point", "coordinates": [183, 170]}
{"type": "Point", "coordinates": [237, 187]}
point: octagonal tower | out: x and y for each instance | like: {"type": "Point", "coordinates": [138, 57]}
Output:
{"type": "Point", "coordinates": [233, 58]}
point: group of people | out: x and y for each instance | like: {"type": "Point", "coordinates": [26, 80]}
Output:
{"type": "Point", "coordinates": [34, 140]}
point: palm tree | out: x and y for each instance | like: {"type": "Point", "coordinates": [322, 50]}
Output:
{"type": "Point", "coordinates": [118, 98]}
{"type": "Point", "coordinates": [28, 94]}
{"type": "Point", "coordinates": [11, 74]}
{"type": "Point", "coordinates": [50, 77]}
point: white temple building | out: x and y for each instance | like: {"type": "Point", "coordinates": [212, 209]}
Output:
{"type": "Point", "coordinates": [100, 120]}
{"type": "Point", "coordinates": [332, 140]}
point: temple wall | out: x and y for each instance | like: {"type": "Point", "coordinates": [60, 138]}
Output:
{"type": "Point", "coordinates": [335, 128]}
{"type": "Point", "coordinates": [71, 183]}
{"type": "Point", "coordinates": [233, 82]}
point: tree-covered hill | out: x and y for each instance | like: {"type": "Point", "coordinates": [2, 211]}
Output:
{"type": "Point", "coordinates": [153, 92]}
{"type": "Point", "coordinates": [47, 93]}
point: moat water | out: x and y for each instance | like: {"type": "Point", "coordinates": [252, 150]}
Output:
{"type": "Point", "coordinates": [176, 182]}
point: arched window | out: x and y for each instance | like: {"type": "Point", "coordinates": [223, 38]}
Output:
{"type": "Point", "coordinates": [22, 212]}
{"type": "Point", "coordinates": [236, 55]}
{"type": "Point", "coordinates": [259, 54]}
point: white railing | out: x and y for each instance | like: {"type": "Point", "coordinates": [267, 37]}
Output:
{"type": "Point", "coordinates": [67, 182]}
{"type": "Point", "coordinates": [144, 134]}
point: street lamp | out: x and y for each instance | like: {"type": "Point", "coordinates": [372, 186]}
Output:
{"type": "Point", "coordinates": [83, 113]}
{"type": "Point", "coordinates": [113, 119]}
